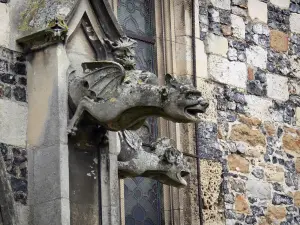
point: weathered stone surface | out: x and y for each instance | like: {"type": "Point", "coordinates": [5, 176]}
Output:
{"type": "Point", "coordinates": [291, 143]}
{"type": "Point", "coordinates": [279, 41]}
{"type": "Point", "coordinates": [250, 121]}
{"type": "Point", "coordinates": [254, 13]}
{"type": "Point", "coordinates": [270, 128]}
{"type": "Point", "coordinates": [297, 114]}
{"type": "Point", "coordinates": [241, 204]}
{"type": "Point", "coordinates": [284, 4]}
{"type": "Point", "coordinates": [232, 73]}
{"type": "Point", "coordinates": [258, 173]}
{"type": "Point", "coordinates": [242, 132]}
{"type": "Point", "coordinates": [216, 44]}
{"type": "Point", "coordinates": [279, 199]}
{"type": "Point", "coordinates": [276, 213]}
{"type": "Point", "coordinates": [297, 199]}
{"type": "Point", "coordinates": [238, 163]}
{"type": "Point", "coordinates": [261, 112]}
{"type": "Point", "coordinates": [274, 173]}
{"type": "Point", "coordinates": [5, 27]}
{"type": "Point", "coordinates": [297, 165]}
{"type": "Point", "coordinates": [222, 4]}
{"type": "Point", "coordinates": [277, 87]}
{"type": "Point", "coordinates": [238, 26]}
{"type": "Point", "coordinates": [13, 123]}
{"type": "Point", "coordinates": [294, 22]}
{"type": "Point", "coordinates": [259, 189]}
{"type": "Point", "coordinates": [257, 56]}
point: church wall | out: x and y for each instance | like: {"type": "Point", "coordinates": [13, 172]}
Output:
{"type": "Point", "coordinates": [13, 124]}
{"type": "Point", "coordinates": [251, 134]}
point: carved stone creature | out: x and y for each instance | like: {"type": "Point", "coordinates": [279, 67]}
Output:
{"type": "Point", "coordinates": [162, 162]}
{"type": "Point", "coordinates": [121, 99]}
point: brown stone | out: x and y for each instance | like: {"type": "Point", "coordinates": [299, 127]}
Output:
{"type": "Point", "coordinates": [279, 41]}
{"type": "Point", "coordinates": [290, 130]}
{"type": "Point", "coordinates": [270, 128]}
{"type": "Point", "coordinates": [297, 199]}
{"type": "Point", "coordinates": [238, 163]}
{"type": "Point", "coordinates": [251, 121]}
{"type": "Point", "coordinates": [242, 132]}
{"type": "Point", "coordinates": [226, 30]}
{"type": "Point", "coordinates": [250, 73]}
{"type": "Point", "coordinates": [297, 164]}
{"type": "Point", "coordinates": [241, 204]}
{"type": "Point", "coordinates": [276, 213]}
{"type": "Point", "coordinates": [291, 143]}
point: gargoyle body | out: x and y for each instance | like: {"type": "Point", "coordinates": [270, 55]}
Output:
{"type": "Point", "coordinates": [162, 162]}
{"type": "Point", "coordinates": [119, 97]}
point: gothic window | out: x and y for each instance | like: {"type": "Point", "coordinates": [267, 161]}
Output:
{"type": "Point", "coordinates": [142, 196]}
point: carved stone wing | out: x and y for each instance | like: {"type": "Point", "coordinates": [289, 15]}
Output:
{"type": "Point", "coordinates": [103, 78]}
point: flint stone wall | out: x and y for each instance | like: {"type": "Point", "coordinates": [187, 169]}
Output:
{"type": "Point", "coordinates": [13, 122]}
{"type": "Point", "coordinates": [255, 133]}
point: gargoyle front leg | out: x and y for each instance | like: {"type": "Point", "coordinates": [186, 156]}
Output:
{"type": "Point", "coordinates": [83, 105]}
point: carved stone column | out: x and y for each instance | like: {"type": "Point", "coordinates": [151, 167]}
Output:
{"type": "Point", "coordinates": [110, 181]}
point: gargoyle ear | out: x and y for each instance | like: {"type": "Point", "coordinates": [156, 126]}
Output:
{"type": "Point", "coordinates": [170, 80]}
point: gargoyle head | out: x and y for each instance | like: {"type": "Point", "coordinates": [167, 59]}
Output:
{"type": "Point", "coordinates": [182, 102]}
{"type": "Point", "coordinates": [174, 167]}
{"type": "Point", "coordinates": [124, 52]}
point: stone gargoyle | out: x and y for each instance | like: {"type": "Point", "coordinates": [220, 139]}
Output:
{"type": "Point", "coordinates": [162, 162]}
{"type": "Point", "coordinates": [118, 97]}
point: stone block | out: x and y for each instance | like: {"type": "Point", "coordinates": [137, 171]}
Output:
{"type": "Point", "coordinates": [238, 26]}
{"type": "Point", "coordinates": [258, 189]}
{"type": "Point", "coordinates": [284, 4]}
{"type": "Point", "coordinates": [238, 163]}
{"type": "Point", "coordinates": [183, 56]}
{"type": "Point", "coordinates": [297, 165]}
{"type": "Point", "coordinates": [274, 174]}
{"type": "Point", "coordinates": [295, 65]}
{"type": "Point", "coordinates": [54, 212]}
{"type": "Point", "coordinates": [207, 90]}
{"type": "Point", "coordinates": [297, 199]}
{"type": "Point", "coordinates": [222, 4]}
{"type": "Point", "coordinates": [257, 56]}
{"type": "Point", "coordinates": [13, 123]}
{"type": "Point", "coordinates": [294, 22]}
{"type": "Point", "coordinates": [277, 87]}
{"type": "Point", "coordinates": [298, 116]}
{"type": "Point", "coordinates": [279, 41]}
{"type": "Point", "coordinates": [5, 27]}
{"type": "Point", "coordinates": [242, 132]}
{"type": "Point", "coordinates": [49, 174]}
{"type": "Point", "coordinates": [201, 59]}
{"type": "Point", "coordinates": [258, 10]}
{"type": "Point", "coordinates": [217, 44]}
{"type": "Point", "coordinates": [262, 112]}
{"type": "Point", "coordinates": [291, 144]}
{"type": "Point", "coordinates": [223, 71]}
{"type": "Point", "coordinates": [276, 214]}
{"type": "Point", "coordinates": [241, 204]}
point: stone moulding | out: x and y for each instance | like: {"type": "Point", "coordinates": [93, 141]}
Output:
{"type": "Point", "coordinates": [55, 32]}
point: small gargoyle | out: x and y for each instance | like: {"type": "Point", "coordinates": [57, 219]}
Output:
{"type": "Point", "coordinates": [118, 97]}
{"type": "Point", "coordinates": [163, 162]}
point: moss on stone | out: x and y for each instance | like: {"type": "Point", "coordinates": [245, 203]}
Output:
{"type": "Point", "coordinates": [28, 14]}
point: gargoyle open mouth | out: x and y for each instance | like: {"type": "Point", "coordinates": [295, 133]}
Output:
{"type": "Point", "coordinates": [195, 109]}
{"type": "Point", "coordinates": [180, 177]}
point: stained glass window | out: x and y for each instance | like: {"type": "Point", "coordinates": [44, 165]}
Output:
{"type": "Point", "coordinates": [142, 196]}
